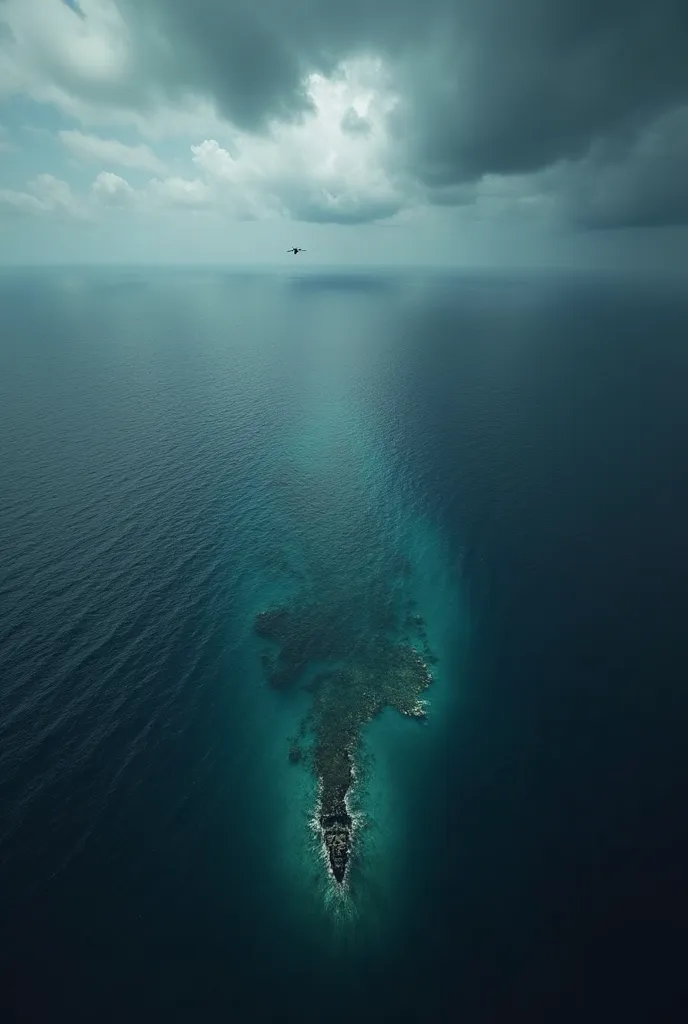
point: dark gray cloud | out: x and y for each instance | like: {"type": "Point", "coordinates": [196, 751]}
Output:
{"type": "Point", "coordinates": [502, 84]}
{"type": "Point", "coordinates": [487, 87]}
{"type": "Point", "coordinates": [360, 213]}
{"type": "Point", "coordinates": [312, 207]}
{"type": "Point", "coordinates": [535, 81]}
{"type": "Point", "coordinates": [644, 187]}
{"type": "Point", "coordinates": [252, 56]}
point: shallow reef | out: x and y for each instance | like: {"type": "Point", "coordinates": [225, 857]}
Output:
{"type": "Point", "coordinates": [361, 673]}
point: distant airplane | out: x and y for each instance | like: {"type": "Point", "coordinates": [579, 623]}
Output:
{"type": "Point", "coordinates": [295, 250]}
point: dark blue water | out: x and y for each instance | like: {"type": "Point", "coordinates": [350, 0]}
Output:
{"type": "Point", "coordinates": [181, 450]}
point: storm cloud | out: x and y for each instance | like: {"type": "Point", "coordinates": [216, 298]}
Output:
{"type": "Point", "coordinates": [645, 186]}
{"type": "Point", "coordinates": [486, 86]}
{"type": "Point", "coordinates": [585, 97]}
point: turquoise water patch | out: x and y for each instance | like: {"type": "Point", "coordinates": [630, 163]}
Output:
{"type": "Point", "coordinates": [350, 572]}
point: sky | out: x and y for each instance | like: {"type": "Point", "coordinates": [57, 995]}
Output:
{"type": "Point", "coordinates": [420, 132]}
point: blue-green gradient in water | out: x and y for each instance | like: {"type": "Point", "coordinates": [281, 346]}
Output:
{"type": "Point", "coordinates": [182, 450]}
{"type": "Point", "coordinates": [183, 453]}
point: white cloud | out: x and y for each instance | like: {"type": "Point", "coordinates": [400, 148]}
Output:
{"type": "Point", "coordinates": [318, 169]}
{"type": "Point", "coordinates": [315, 170]}
{"type": "Point", "coordinates": [214, 160]}
{"type": "Point", "coordinates": [85, 67]}
{"type": "Point", "coordinates": [53, 54]}
{"type": "Point", "coordinates": [45, 194]}
{"type": "Point", "coordinates": [19, 202]}
{"type": "Point", "coordinates": [111, 190]}
{"type": "Point", "coordinates": [333, 165]}
{"type": "Point", "coordinates": [111, 151]}
{"type": "Point", "coordinates": [181, 192]}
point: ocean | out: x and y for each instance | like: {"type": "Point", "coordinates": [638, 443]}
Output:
{"type": "Point", "coordinates": [343, 649]}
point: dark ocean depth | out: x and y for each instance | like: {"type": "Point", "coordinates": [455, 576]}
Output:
{"type": "Point", "coordinates": [462, 502]}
